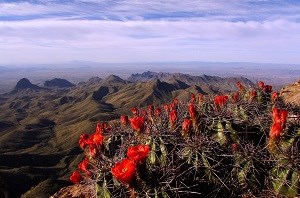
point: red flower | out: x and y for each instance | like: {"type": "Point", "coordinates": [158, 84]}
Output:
{"type": "Point", "coordinates": [235, 97]}
{"type": "Point", "coordinates": [158, 111]}
{"type": "Point", "coordinates": [274, 96]}
{"type": "Point", "coordinates": [143, 112]}
{"type": "Point", "coordinates": [167, 108]}
{"type": "Point", "coordinates": [279, 120]}
{"type": "Point", "coordinates": [186, 126]}
{"type": "Point", "coordinates": [276, 130]}
{"type": "Point", "coordinates": [279, 115]}
{"type": "Point", "coordinates": [193, 98]}
{"type": "Point", "coordinates": [173, 116]}
{"type": "Point", "coordinates": [138, 153]}
{"type": "Point", "coordinates": [150, 109]}
{"type": "Point", "coordinates": [173, 106]}
{"type": "Point", "coordinates": [240, 86]}
{"type": "Point", "coordinates": [99, 128]}
{"type": "Point", "coordinates": [124, 171]}
{"type": "Point", "coordinates": [75, 177]}
{"type": "Point", "coordinates": [268, 88]}
{"type": "Point", "coordinates": [175, 101]}
{"type": "Point", "coordinates": [83, 139]}
{"type": "Point", "coordinates": [135, 111]}
{"type": "Point", "coordinates": [124, 119]}
{"type": "Point", "coordinates": [97, 138]}
{"type": "Point", "coordinates": [261, 84]}
{"type": "Point", "coordinates": [220, 100]}
{"type": "Point", "coordinates": [235, 146]}
{"type": "Point", "coordinates": [192, 111]}
{"type": "Point", "coordinates": [137, 123]}
{"type": "Point", "coordinates": [84, 165]}
{"type": "Point", "coordinates": [93, 150]}
{"type": "Point", "coordinates": [253, 94]}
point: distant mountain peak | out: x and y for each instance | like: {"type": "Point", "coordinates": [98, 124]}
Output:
{"type": "Point", "coordinates": [114, 78]}
{"type": "Point", "coordinates": [24, 83]}
{"type": "Point", "coordinates": [58, 82]}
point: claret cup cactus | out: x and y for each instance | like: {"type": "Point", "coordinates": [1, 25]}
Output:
{"type": "Point", "coordinates": [237, 145]}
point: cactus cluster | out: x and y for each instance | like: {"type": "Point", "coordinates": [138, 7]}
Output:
{"type": "Point", "coordinates": [244, 144]}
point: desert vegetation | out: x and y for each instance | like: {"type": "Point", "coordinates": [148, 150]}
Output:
{"type": "Point", "coordinates": [242, 144]}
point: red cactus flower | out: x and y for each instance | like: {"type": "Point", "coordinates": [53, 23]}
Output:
{"type": "Point", "coordinates": [97, 138]}
{"type": "Point", "coordinates": [186, 125]}
{"type": "Point", "coordinates": [138, 153]}
{"type": "Point", "coordinates": [124, 171]}
{"type": "Point", "coordinates": [124, 120]}
{"type": "Point", "coordinates": [84, 165]}
{"type": "Point", "coordinates": [275, 113]}
{"type": "Point", "coordinates": [158, 111]}
{"type": "Point", "coordinates": [83, 139]}
{"type": "Point", "coordinates": [276, 130]}
{"type": "Point", "coordinates": [167, 108]}
{"type": "Point", "coordinates": [192, 111]}
{"type": "Point", "coordinates": [279, 121]}
{"type": "Point", "coordinates": [235, 97]}
{"type": "Point", "coordinates": [75, 177]}
{"type": "Point", "coordinates": [93, 150]}
{"type": "Point", "coordinates": [175, 101]}
{"type": "Point", "coordinates": [267, 88]}
{"type": "Point", "coordinates": [173, 106]}
{"type": "Point", "coordinates": [240, 86]}
{"type": "Point", "coordinates": [220, 100]}
{"type": "Point", "coordinates": [274, 95]}
{"type": "Point", "coordinates": [235, 146]}
{"type": "Point", "coordinates": [143, 112]}
{"type": "Point", "coordinates": [193, 98]}
{"type": "Point", "coordinates": [99, 128]}
{"type": "Point", "coordinates": [137, 123]}
{"type": "Point", "coordinates": [253, 94]}
{"type": "Point", "coordinates": [135, 111]}
{"type": "Point", "coordinates": [150, 109]}
{"type": "Point", "coordinates": [279, 115]}
{"type": "Point", "coordinates": [261, 84]}
{"type": "Point", "coordinates": [173, 117]}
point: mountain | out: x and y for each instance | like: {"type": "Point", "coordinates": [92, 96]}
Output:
{"type": "Point", "coordinates": [40, 128]}
{"type": "Point", "coordinates": [24, 86]}
{"type": "Point", "coordinates": [208, 84]}
{"type": "Point", "coordinates": [58, 82]}
{"type": "Point", "coordinates": [114, 79]}
{"type": "Point", "coordinates": [24, 83]}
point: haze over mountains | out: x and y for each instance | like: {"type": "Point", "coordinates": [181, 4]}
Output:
{"type": "Point", "coordinates": [40, 125]}
{"type": "Point", "coordinates": [77, 71]}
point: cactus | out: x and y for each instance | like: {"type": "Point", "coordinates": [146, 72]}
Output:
{"type": "Point", "coordinates": [224, 153]}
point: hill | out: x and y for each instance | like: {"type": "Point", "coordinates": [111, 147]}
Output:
{"type": "Point", "coordinates": [59, 83]}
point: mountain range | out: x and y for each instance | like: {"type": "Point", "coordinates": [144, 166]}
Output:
{"type": "Point", "coordinates": [40, 125]}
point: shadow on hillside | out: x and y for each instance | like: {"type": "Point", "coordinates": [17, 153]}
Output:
{"type": "Point", "coordinates": [19, 160]}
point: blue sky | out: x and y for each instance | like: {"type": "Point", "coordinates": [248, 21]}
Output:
{"type": "Point", "coordinates": [49, 31]}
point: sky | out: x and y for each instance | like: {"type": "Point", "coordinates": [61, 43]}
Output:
{"type": "Point", "coordinates": [118, 31]}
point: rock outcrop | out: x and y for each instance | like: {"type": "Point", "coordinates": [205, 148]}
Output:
{"type": "Point", "coordinates": [291, 93]}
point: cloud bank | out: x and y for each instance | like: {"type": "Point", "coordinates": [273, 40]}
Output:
{"type": "Point", "coordinates": [48, 31]}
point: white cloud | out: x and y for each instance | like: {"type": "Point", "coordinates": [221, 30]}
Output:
{"type": "Point", "coordinates": [29, 9]}
{"type": "Point", "coordinates": [116, 41]}
{"type": "Point", "coordinates": [155, 9]}
{"type": "Point", "coordinates": [152, 30]}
